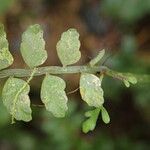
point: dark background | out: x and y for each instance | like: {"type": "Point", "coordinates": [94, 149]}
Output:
{"type": "Point", "coordinates": [122, 27]}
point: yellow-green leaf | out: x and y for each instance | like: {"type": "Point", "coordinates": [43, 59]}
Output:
{"type": "Point", "coordinates": [6, 58]}
{"type": "Point", "coordinates": [15, 98]}
{"type": "Point", "coordinates": [129, 78]}
{"type": "Point", "coordinates": [105, 115]}
{"type": "Point", "coordinates": [33, 46]}
{"type": "Point", "coordinates": [54, 96]}
{"type": "Point", "coordinates": [68, 47]}
{"type": "Point", "coordinates": [90, 123]}
{"type": "Point", "coordinates": [90, 89]}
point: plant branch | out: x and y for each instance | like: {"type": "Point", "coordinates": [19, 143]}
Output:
{"type": "Point", "coordinates": [141, 78]}
{"type": "Point", "coordinates": [51, 70]}
{"type": "Point", "coordinates": [70, 70]}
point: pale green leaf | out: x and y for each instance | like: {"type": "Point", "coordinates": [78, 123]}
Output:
{"type": "Point", "coordinates": [127, 84]}
{"type": "Point", "coordinates": [105, 115]}
{"type": "Point", "coordinates": [90, 123]}
{"type": "Point", "coordinates": [15, 98]}
{"type": "Point", "coordinates": [68, 47]}
{"type": "Point", "coordinates": [6, 58]}
{"type": "Point", "coordinates": [33, 46]}
{"type": "Point", "coordinates": [53, 95]}
{"type": "Point", "coordinates": [129, 78]}
{"type": "Point", "coordinates": [90, 89]}
{"type": "Point", "coordinates": [97, 59]}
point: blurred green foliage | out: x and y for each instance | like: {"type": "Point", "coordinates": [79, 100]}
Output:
{"type": "Point", "coordinates": [127, 11]}
{"type": "Point", "coordinates": [5, 5]}
{"type": "Point", "coordinates": [47, 132]}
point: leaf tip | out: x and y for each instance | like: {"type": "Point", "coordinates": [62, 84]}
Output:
{"type": "Point", "coordinates": [105, 115]}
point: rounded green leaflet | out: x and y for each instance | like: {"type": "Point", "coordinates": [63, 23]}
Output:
{"type": "Point", "coordinates": [6, 58]}
{"type": "Point", "coordinates": [90, 89]}
{"type": "Point", "coordinates": [90, 123]}
{"type": "Point", "coordinates": [53, 95]}
{"type": "Point", "coordinates": [33, 46]}
{"type": "Point", "coordinates": [105, 115]}
{"type": "Point", "coordinates": [68, 47]}
{"type": "Point", "coordinates": [15, 98]}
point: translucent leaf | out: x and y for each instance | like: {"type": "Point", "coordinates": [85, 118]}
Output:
{"type": "Point", "coordinates": [15, 98]}
{"type": "Point", "coordinates": [90, 123]}
{"type": "Point", "coordinates": [129, 78]}
{"type": "Point", "coordinates": [90, 89]}
{"type": "Point", "coordinates": [6, 58]}
{"type": "Point", "coordinates": [105, 115]}
{"type": "Point", "coordinates": [54, 96]}
{"type": "Point", "coordinates": [33, 46]}
{"type": "Point", "coordinates": [95, 60]}
{"type": "Point", "coordinates": [127, 84]}
{"type": "Point", "coordinates": [68, 47]}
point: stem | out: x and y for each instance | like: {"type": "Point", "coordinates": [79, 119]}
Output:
{"type": "Point", "coordinates": [141, 78]}
{"type": "Point", "coordinates": [70, 70]}
{"type": "Point", "coordinates": [51, 70]}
